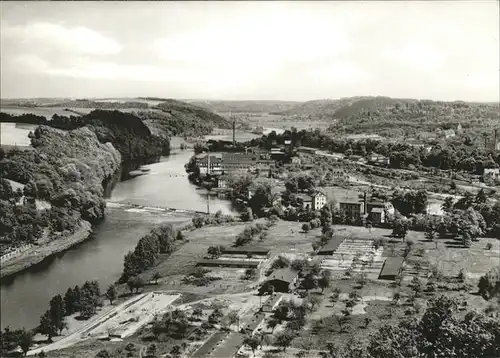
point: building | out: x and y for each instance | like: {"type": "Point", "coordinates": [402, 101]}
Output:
{"type": "Point", "coordinates": [377, 216]}
{"type": "Point", "coordinates": [459, 127]}
{"type": "Point", "coordinates": [332, 245]}
{"type": "Point", "coordinates": [307, 202]}
{"type": "Point", "coordinates": [449, 133]}
{"type": "Point", "coordinates": [221, 182]}
{"type": "Point", "coordinates": [491, 175]}
{"type": "Point", "coordinates": [378, 159]}
{"type": "Point", "coordinates": [497, 146]}
{"type": "Point", "coordinates": [214, 160]}
{"type": "Point", "coordinates": [283, 280]}
{"type": "Point", "coordinates": [257, 251]}
{"type": "Point", "coordinates": [385, 206]}
{"type": "Point", "coordinates": [353, 209]}
{"type": "Point", "coordinates": [391, 268]}
{"type": "Point", "coordinates": [272, 302]}
{"type": "Point", "coordinates": [296, 160]}
{"type": "Point", "coordinates": [318, 200]}
{"type": "Point", "coordinates": [229, 263]}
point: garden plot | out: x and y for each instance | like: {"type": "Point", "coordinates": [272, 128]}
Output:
{"type": "Point", "coordinates": [127, 321]}
{"type": "Point", "coordinates": [369, 259]}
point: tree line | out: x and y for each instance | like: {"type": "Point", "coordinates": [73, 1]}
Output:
{"type": "Point", "coordinates": [466, 158]}
{"type": "Point", "coordinates": [162, 240]}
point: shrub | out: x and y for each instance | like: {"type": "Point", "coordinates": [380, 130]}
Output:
{"type": "Point", "coordinates": [306, 227]}
{"type": "Point", "coordinates": [489, 284]}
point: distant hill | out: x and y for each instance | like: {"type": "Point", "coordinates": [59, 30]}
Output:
{"type": "Point", "coordinates": [329, 109]}
{"type": "Point", "coordinates": [394, 117]}
{"type": "Point", "coordinates": [357, 106]}
{"type": "Point", "coordinates": [245, 106]}
{"type": "Point", "coordinates": [85, 103]}
{"type": "Point", "coordinates": [174, 118]}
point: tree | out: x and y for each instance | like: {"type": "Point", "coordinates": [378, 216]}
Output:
{"type": "Point", "coordinates": [361, 279]}
{"type": "Point", "coordinates": [251, 342]}
{"type": "Point", "coordinates": [367, 321]}
{"type": "Point", "coordinates": [324, 280]}
{"type": "Point", "coordinates": [396, 297]}
{"type": "Point", "coordinates": [215, 316]}
{"type": "Point", "coordinates": [47, 327]}
{"type": "Point", "coordinates": [71, 300]}
{"type": "Point", "coordinates": [157, 276]}
{"type": "Point", "coordinates": [489, 284]}
{"type": "Point", "coordinates": [57, 313]}
{"type": "Point", "coordinates": [447, 205]}
{"type": "Point", "coordinates": [416, 285]}
{"type": "Point", "coordinates": [25, 340]}
{"type": "Point", "coordinates": [481, 197]}
{"type": "Point", "coordinates": [111, 293]}
{"type": "Point", "coordinates": [135, 282]}
{"type": "Point", "coordinates": [284, 339]}
{"type": "Point", "coordinates": [306, 227]}
{"type": "Point", "coordinates": [151, 350]}
{"type": "Point", "coordinates": [399, 228]}
{"type": "Point", "coordinates": [272, 323]}
{"type": "Point", "coordinates": [215, 251]}
{"type": "Point", "coordinates": [247, 215]}
{"type": "Point", "coordinates": [103, 354]}
{"type": "Point", "coordinates": [176, 350]}
{"type": "Point", "coordinates": [197, 313]}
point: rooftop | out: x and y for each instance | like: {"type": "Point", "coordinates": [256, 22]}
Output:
{"type": "Point", "coordinates": [304, 197]}
{"type": "Point", "coordinates": [332, 245]}
{"type": "Point", "coordinates": [284, 274]}
{"type": "Point", "coordinates": [391, 266]}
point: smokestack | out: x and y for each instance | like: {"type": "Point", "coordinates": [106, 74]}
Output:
{"type": "Point", "coordinates": [495, 139]}
{"type": "Point", "coordinates": [234, 133]}
{"type": "Point", "coordinates": [485, 141]}
{"type": "Point", "coordinates": [365, 203]}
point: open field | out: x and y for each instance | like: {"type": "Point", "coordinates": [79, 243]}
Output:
{"type": "Point", "coordinates": [46, 112]}
{"type": "Point", "coordinates": [232, 293]}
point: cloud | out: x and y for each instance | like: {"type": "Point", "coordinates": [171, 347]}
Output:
{"type": "Point", "coordinates": [262, 45]}
{"type": "Point", "coordinates": [77, 39]}
{"type": "Point", "coordinates": [416, 56]}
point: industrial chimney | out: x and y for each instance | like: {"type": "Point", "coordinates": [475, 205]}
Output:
{"type": "Point", "coordinates": [234, 133]}
{"type": "Point", "coordinates": [495, 140]}
{"type": "Point", "coordinates": [365, 203]}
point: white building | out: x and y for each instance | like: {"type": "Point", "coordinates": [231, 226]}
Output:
{"type": "Point", "coordinates": [318, 200]}
{"type": "Point", "coordinates": [491, 175]}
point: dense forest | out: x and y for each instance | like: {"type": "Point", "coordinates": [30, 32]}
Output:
{"type": "Point", "coordinates": [65, 169]}
{"type": "Point", "coordinates": [85, 103]}
{"type": "Point", "coordinates": [411, 118]}
{"type": "Point", "coordinates": [126, 132]}
{"type": "Point", "coordinates": [463, 157]}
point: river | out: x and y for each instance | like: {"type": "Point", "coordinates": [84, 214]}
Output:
{"type": "Point", "coordinates": [25, 297]}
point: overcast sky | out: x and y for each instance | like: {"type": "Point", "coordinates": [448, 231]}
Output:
{"type": "Point", "coordinates": [251, 50]}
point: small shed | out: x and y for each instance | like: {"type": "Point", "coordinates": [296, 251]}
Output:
{"type": "Point", "coordinates": [332, 245]}
{"type": "Point", "coordinates": [229, 263]}
{"type": "Point", "coordinates": [283, 280]}
{"type": "Point", "coordinates": [391, 268]}
{"type": "Point", "coordinates": [257, 251]}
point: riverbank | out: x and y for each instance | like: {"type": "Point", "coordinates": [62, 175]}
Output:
{"type": "Point", "coordinates": [37, 254]}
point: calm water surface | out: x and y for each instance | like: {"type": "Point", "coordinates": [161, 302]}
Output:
{"type": "Point", "coordinates": [24, 298]}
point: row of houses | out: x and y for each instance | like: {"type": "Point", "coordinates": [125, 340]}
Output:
{"type": "Point", "coordinates": [375, 211]}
